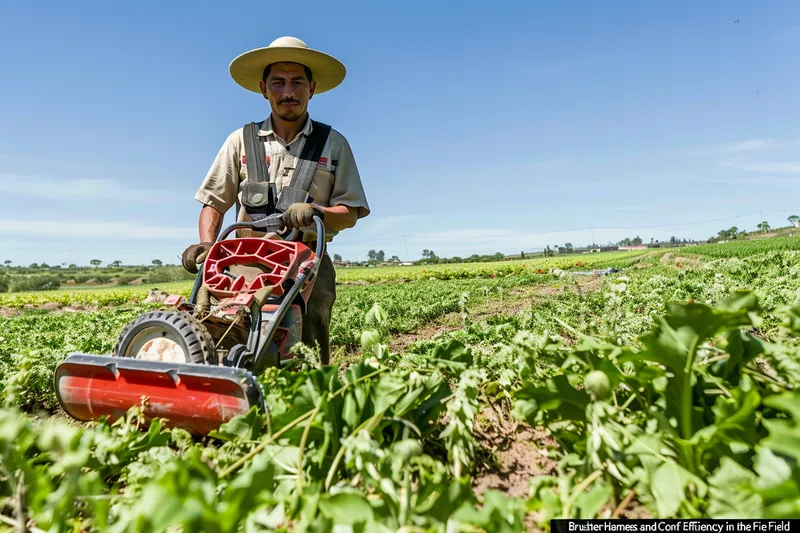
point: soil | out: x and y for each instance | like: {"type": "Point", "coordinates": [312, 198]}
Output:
{"type": "Point", "coordinates": [583, 285]}
{"type": "Point", "coordinates": [446, 323]}
{"type": "Point", "coordinates": [680, 263]}
{"type": "Point", "coordinates": [519, 454]}
{"type": "Point", "coordinates": [8, 312]}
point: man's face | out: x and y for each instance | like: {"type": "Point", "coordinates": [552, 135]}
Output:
{"type": "Point", "coordinates": [288, 90]}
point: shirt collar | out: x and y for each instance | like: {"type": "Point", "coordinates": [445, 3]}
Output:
{"type": "Point", "coordinates": [266, 127]}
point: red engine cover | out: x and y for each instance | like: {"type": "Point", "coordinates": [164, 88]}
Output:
{"type": "Point", "coordinates": [281, 258]}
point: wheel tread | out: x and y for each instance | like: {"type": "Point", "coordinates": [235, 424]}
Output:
{"type": "Point", "coordinates": [199, 342]}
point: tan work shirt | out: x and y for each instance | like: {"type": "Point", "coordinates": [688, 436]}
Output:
{"type": "Point", "coordinates": [336, 180]}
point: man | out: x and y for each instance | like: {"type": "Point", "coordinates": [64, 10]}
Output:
{"type": "Point", "coordinates": [288, 74]}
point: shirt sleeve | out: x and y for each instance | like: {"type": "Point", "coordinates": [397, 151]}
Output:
{"type": "Point", "coordinates": [221, 185]}
{"type": "Point", "coordinates": [347, 187]}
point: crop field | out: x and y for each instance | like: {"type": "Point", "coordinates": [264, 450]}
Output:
{"type": "Point", "coordinates": [463, 397]}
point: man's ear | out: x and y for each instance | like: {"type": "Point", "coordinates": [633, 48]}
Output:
{"type": "Point", "coordinates": [311, 89]}
{"type": "Point", "coordinates": [263, 86]}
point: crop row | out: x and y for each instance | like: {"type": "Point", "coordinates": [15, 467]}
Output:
{"type": "Point", "coordinates": [672, 390]}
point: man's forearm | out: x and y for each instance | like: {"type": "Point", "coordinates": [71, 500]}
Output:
{"type": "Point", "coordinates": [209, 224]}
{"type": "Point", "coordinates": [339, 217]}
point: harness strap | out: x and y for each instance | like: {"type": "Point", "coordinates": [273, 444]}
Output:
{"type": "Point", "coordinates": [258, 194]}
{"type": "Point", "coordinates": [297, 190]}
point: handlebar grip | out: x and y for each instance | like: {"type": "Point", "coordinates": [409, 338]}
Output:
{"type": "Point", "coordinates": [272, 223]}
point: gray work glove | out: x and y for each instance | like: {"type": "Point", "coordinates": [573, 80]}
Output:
{"type": "Point", "coordinates": [299, 215]}
{"type": "Point", "coordinates": [194, 254]}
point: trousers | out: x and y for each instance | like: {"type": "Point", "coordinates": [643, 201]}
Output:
{"type": "Point", "coordinates": [317, 320]}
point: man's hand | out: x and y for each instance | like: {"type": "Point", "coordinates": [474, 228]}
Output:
{"type": "Point", "coordinates": [299, 215]}
{"type": "Point", "coordinates": [194, 254]}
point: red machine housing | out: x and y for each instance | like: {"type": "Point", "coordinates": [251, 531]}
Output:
{"type": "Point", "coordinates": [280, 260]}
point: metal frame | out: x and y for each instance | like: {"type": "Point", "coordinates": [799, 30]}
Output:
{"type": "Point", "coordinates": [255, 358]}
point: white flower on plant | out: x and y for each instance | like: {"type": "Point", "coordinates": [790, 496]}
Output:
{"type": "Point", "coordinates": [618, 287]}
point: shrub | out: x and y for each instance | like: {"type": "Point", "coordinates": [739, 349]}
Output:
{"type": "Point", "coordinates": [35, 283]}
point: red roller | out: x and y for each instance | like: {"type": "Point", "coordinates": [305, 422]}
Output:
{"type": "Point", "coordinates": [197, 398]}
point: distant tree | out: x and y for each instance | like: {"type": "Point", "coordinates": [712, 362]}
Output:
{"type": "Point", "coordinates": [637, 241]}
{"type": "Point", "coordinates": [522, 254]}
{"type": "Point", "coordinates": [337, 258]}
{"type": "Point", "coordinates": [95, 262]}
{"type": "Point", "coordinates": [73, 266]}
{"type": "Point", "coordinates": [394, 259]}
{"type": "Point", "coordinates": [547, 251]}
{"type": "Point", "coordinates": [115, 264]}
{"type": "Point", "coordinates": [34, 265]}
{"type": "Point", "coordinates": [380, 257]}
{"type": "Point", "coordinates": [372, 255]}
{"type": "Point", "coordinates": [794, 220]}
{"type": "Point", "coordinates": [7, 263]}
{"type": "Point", "coordinates": [764, 226]}
{"type": "Point", "coordinates": [44, 265]}
{"type": "Point", "coordinates": [4, 283]}
{"type": "Point", "coordinates": [157, 262]}
{"type": "Point", "coordinates": [568, 246]}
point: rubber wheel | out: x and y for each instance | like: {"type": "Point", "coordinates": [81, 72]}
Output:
{"type": "Point", "coordinates": [178, 336]}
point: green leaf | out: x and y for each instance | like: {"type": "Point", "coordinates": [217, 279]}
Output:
{"type": "Point", "coordinates": [668, 486]}
{"type": "Point", "coordinates": [783, 438]}
{"type": "Point", "coordinates": [248, 426]}
{"type": "Point", "coordinates": [454, 352]}
{"type": "Point", "coordinates": [346, 508]}
{"type": "Point", "coordinates": [558, 396]}
{"type": "Point", "coordinates": [376, 315]}
{"type": "Point", "coordinates": [387, 391]}
{"type": "Point", "coordinates": [742, 348]}
{"type": "Point", "coordinates": [772, 470]}
{"type": "Point", "coordinates": [731, 494]}
{"type": "Point", "coordinates": [788, 402]}
{"type": "Point", "coordinates": [589, 503]}
{"type": "Point", "coordinates": [736, 417]}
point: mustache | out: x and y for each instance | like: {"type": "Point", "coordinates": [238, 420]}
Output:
{"type": "Point", "coordinates": [288, 101]}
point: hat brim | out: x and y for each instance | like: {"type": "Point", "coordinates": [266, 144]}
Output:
{"type": "Point", "coordinates": [326, 70]}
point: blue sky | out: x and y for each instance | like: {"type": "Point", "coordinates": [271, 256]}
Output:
{"type": "Point", "coordinates": [490, 127]}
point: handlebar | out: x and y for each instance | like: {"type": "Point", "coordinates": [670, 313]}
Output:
{"type": "Point", "coordinates": [272, 223]}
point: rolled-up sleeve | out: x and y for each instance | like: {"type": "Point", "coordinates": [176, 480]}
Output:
{"type": "Point", "coordinates": [221, 185]}
{"type": "Point", "coordinates": [347, 187]}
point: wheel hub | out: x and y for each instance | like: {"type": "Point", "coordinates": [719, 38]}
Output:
{"type": "Point", "coordinates": [161, 349]}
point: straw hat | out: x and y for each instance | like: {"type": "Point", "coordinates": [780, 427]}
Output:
{"type": "Point", "coordinates": [326, 70]}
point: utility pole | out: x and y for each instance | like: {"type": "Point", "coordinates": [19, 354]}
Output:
{"type": "Point", "coordinates": [406, 244]}
{"type": "Point", "coordinates": [592, 237]}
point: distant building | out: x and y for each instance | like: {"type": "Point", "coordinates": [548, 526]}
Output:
{"type": "Point", "coordinates": [628, 248]}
